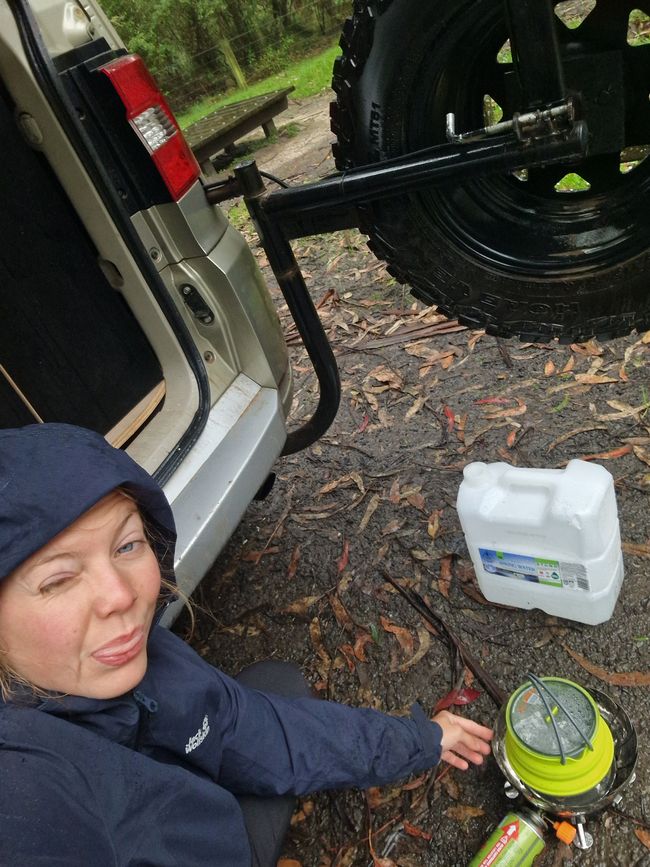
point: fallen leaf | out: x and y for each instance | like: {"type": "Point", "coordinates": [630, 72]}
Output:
{"type": "Point", "coordinates": [462, 813]}
{"type": "Point", "coordinates": [340, 612]}
{"type": "Point", "coordinates": [511, 438]}
{"type": "Point", "coordinates": [393, 495]}
{"type": "Point", "coordinates": [474, 339]}
{"type": "Point", "coordinates": [331, 486]}
{"type": "Point", "coordinates": [636, 550]}
{"type": "Point", "coordinates": [416, 500]}
{"type": "Point", "coordinates": [461, 421]}
{"type": "Point", "coordinates": [444, 579]}
{"type": "Point", "coordinates": [414, 831]}
{"type": "Point", "coordinates": [360, 646]}
{"type": "Point", "coordinates": [358, 481]}
{"type": "Point", "coordinates": [584, 429]}
{"type": "Point", "coordinates": [403, 636]}
{"type": "Point", "coordinates": [343, 560]}
{"type": "Point", "coordinates": [301, 606]}
{"type": "Point", "coordinates": [594, 379]}
{"type": "Point", "coordinates": [622, 678]}
{"type": "Point", "coordinates": [370, 510]}
{"type": "Point", "coordinates": [424, 644]}
{"type": "Point", "coordinates": [610, 455]}
{"type": "Point", "coordinates": [415, 783]}
{"type": "Point", "coordinates": [433, 524]}
{"type": "Point", "coordinates": [256, 556]}
{"type": "Point", "coordinates": [419, 554]}
{"type": "Point", "coordinates": [464, 695]}
{"type": "Point", "coordinates": [450, 786]}
{"type": "Point", "coordinates": [293, 563]}
{"type": "Point", "coordinates": [451, 418]}
{"type": "Point", "coordinates": [589, 348]}
{"type": "Point", "coordinates": [317, 640]}
{"type": "Point", "coordinates": [483, 400]}
{"type": "Point", "coordinates": [348, 654]}
{"type": "Point", "coordinates": [568, 367]}
{"type": "Point", "coordinates": [520, 409]}
{"type": "Point", "coordinates": [392, 527]}
{"type": "Point", "coordinates": [642, 454]}
{"type": "Point", "coordinates": [549, 368]}
{"type": "Point", "coordinates": [643, 836]}
{"type": "Point", "coordinates": [416, 407]}
{"type": "Point", "coordinates": [364, 423]}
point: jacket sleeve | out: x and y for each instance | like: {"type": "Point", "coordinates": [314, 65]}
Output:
{"type": "Point", "coordinates": [258, 743]}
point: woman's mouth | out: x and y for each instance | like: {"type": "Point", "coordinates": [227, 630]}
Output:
{"type": "Point", "coordinates": [122, 649]}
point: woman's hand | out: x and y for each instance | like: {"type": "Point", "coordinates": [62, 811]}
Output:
{"type": "Point", "coordinates": [463, 740]}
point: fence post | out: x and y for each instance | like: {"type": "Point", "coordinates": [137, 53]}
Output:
{"type": "Point", "coordinates": [233, 65]}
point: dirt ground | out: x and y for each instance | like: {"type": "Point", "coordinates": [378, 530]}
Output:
{"type": "Point", "coordinates": [305, 576]}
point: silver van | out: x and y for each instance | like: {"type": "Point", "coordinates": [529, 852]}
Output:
{"type": "Point", "coordinates": [128, 304]}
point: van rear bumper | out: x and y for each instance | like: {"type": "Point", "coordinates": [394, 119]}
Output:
{"type": "Point", "coordinates": [212, 488]}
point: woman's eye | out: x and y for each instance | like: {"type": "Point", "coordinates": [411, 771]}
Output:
{"type": "Point", "coordinates": [129, 547]}
{"type": "Point", "coordinates": [54, 584]}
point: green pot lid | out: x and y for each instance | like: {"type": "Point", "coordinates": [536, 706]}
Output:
{"type": "Point", "coordinates": [556, 739]}
{"type": "Point", "coordinates": [574, 713]}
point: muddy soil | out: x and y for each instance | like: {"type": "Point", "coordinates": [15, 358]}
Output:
{"type": "Point", "coordinates": [305, 576]}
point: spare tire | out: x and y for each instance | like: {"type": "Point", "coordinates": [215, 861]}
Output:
{"type": "Point", "coordinates": [510, 253]}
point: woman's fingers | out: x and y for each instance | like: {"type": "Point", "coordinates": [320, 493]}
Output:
{"type": "Point", "coordinates": [463, 740]}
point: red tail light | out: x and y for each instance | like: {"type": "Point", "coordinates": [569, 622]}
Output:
{"type": "Point", "coordinates": [152, 119]}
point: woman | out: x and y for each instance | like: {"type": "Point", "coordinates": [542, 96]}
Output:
{"type": "Point", "coordinates": [119, 745]}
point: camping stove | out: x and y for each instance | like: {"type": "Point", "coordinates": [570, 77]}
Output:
{"type": "Point", "coordinates": [570, 753]}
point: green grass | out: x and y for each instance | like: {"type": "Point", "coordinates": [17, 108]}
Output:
{"type": "Point", "coordinates": [309, 76]}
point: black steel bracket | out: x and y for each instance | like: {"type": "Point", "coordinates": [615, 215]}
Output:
{"type": "Point", "coordinates": [330, 204]}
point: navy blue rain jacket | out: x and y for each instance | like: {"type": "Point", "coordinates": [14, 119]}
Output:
{"type": "Point", "coordinates": [150, 778]}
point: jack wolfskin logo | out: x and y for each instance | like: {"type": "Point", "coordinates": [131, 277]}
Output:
{"type": "Point", "coordinates": [197, 739]}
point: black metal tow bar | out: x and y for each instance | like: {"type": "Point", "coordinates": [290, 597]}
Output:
{"type": "Point", "coordinates": [330, 204]}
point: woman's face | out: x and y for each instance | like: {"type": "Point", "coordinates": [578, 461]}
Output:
{"type": "Point", "coordinates": [75, 616]}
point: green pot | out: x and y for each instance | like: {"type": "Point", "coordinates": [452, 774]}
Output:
{"type": "Point", "coordinates": [555, 759]}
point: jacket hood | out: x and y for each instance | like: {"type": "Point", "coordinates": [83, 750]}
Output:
{"type": "Point", "coordinates": [50, 474]}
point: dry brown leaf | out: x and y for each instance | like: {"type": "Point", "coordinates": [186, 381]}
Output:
{"type": "Point", "coordinates": [594, 379]}
{"type": "Point", "coordinates": [474, 339]}
{"type": "Point", "coordinates": [415, 783]}
{"type": "Point", "coordinates": [549, 368]}
{"type": "Point", "coordinates": [340, 612]}
{"type": "Point", "coordinates": [301, 606]}
{"type": "Point", "coordinates": [624, 411]}
{"type": "Point", "coordinates": [636, 550]}
{"type": "Point", "coordinates": [610, 455]}
{"type": "Point", "coordinates": [403, 636]}
{"type": "Point", "coordinates": [392, 527]}
{"type": "Point", "coordinates": [589, 348]}
{"type": "Point", "coordinates": [416, 407]}
{"type": "Point", "coordinates": [293, 563]}
{"type": "Point", "coordinates": [617, 678]}
{"type": "Point", "coordinates": [358, 481]}
{"type": "Point", "coordinates": [450, 786]}
{"type": "Point", "coordinates": [416, 500]}
{"type": "Point", "coordinates": [370, 511]}
{"type": "Point", "coordinates": [289, 862]}
{"type": "Point", "coordinates": [419, 554]}
{"type": "Point", "coordinates": [433, 524]}
{"type": "Point", "coordinates": [425, 643]}
{"type": "Point", "coordinates": [393, 495]}
{"type": "Point", "coordinates": [520, 409]}
{"type": "Point", "coordinates": [343, 560]}
{"type": "Point", "coordinates": [461, 421]}
{"type": "Point", "coordinates": [383, 373]}
{"type": "Point", "coordinates": [317, 640]}
{"type": "Point", "coordinates": [348, 654]}
{"type": "Point", "coordinates": [575, 432]}
{"type": "Point", "coordinates": [642, 454]}
{"type": "Point", "coordinates": [571, 363]}
{"type": "Point", "coordinates": [414, 831]}
{"type": "Point", "coordinates": [462, 812]}
{"type": "Point", "coordinates": [331, 486]}
{"type": "Point", "coordinates": [643, 834]}
{"type": "Point", "coordinates": [444, 579]}
{"type": "Point", "coordinates": [359, 648]}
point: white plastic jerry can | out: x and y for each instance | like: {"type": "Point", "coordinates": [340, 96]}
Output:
{"type": "Point", "coordinates": [544, 539]}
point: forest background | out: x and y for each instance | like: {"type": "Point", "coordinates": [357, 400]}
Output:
{"type": "Point", "coordinates": [189, 45]}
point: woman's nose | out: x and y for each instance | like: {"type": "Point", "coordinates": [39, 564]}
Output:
{"type": "Point", "coordinates": [114, 591]}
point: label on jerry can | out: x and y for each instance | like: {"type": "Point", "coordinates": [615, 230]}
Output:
{"type": "Point", "coordinates": [515, 842]}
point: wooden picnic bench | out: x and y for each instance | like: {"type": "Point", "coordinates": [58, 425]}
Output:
{"type": "Point", "coordinates": [220, 129]}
